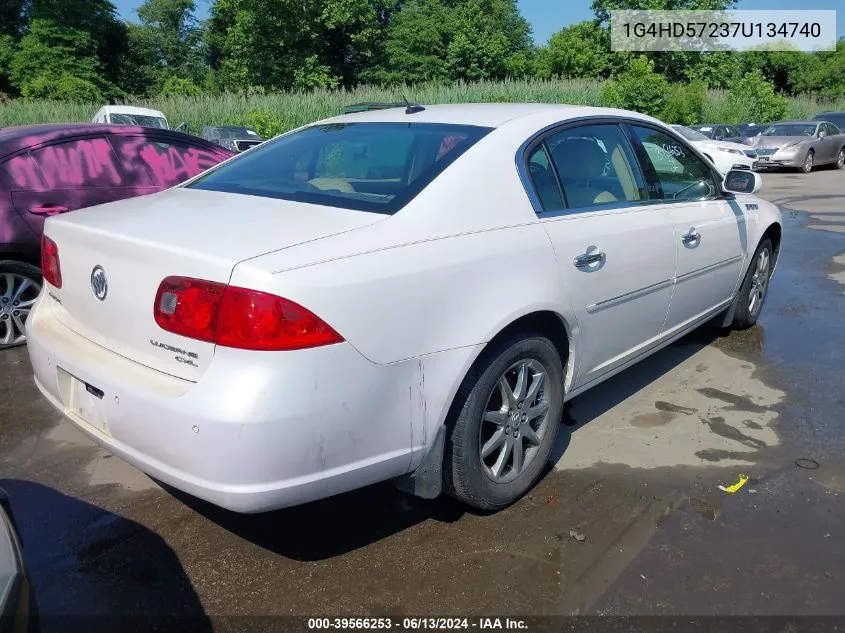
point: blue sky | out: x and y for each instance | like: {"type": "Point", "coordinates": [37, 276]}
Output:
{"type": "Point", "coordinates": [548, 16]}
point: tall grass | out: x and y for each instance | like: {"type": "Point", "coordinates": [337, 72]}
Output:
{"type": "Point", "coordinates": [297, 108]}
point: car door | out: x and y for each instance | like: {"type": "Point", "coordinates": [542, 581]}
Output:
{"type": "Point", "coordinates": [615, 251]}
{"type": "Point", "coordinates": [709, 229]}
{"type": "Point", "coordinates": [831, 142]}
{"type": "Point", "coordinates": [72, 174]}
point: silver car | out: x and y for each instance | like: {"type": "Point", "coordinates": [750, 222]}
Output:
{"type": "Point", "coordinates": [801, 145]}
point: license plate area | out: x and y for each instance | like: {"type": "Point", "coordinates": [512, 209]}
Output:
{"type": "Point", "coordinates": [84, 402]}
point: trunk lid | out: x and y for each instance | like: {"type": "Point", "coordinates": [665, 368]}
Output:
{"type": "Point", "coordinates": [192, 233]}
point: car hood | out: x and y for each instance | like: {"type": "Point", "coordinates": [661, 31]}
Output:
{"type": "Point", "coordinates": [773, 142]}
{"type": "Point", "coordinates": [725, 145]}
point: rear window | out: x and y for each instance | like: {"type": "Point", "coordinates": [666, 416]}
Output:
{"type": "Point", "coordinates": [363, 166]}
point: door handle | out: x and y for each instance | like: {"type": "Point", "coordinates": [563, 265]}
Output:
{"type": "Point", "coordinates": [588, 259]}
{"type": "Point", "coordinates": [49, 209]}
{"type": "Point", "coordinates": [691, 236]}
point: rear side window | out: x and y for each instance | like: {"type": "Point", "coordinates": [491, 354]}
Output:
{"type": "Point", "coordinates": [594, 165]}
{"type": "Point", "coordinates": [160, 162]}
{"type": "Point", "coordinates": [680, 173]}
{"type": "Point", "coordinates": [81, 164]}
{"type": "Point", "coordinates": [364, 166]}
{"type": "Point", "coordinates": [20, 173]}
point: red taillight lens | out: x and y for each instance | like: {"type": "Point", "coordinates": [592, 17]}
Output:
{"type": "Point", "coordinates": [188, 307]}
{"type": "Point", "coordinates": [50, 268]}
{"type": "Point", "coordinates": [238, 317]}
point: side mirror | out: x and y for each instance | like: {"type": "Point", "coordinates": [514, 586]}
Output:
{"type": "Point", "coordinates": [742, 181]}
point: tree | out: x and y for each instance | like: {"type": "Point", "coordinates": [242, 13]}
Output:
{"type": "Point", "coordinates": [97, 18]}
{"type": "Point", "coordinates": [440, 40]}
{"type": "Point", "coordinates": [752, 98]}
{"type": "Point", "coordinates": [50, 52]}
{"type": "Point", "coordinates": [579, 50]}
{"type": "Point", "coordinates": [639, 89]}
{"type": "Point", "coordinates": [602, 8]}
{"type": "Point", "coordinates": [167, 43]}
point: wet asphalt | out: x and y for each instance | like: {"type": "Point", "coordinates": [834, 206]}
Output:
{"type": "Point", "coordinates": [629, 520]}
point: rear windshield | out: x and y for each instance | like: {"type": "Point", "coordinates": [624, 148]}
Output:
{"type": "Point", "coordinates": [138, 119]}
{"type": "Point", "coordinates": [364, 166]}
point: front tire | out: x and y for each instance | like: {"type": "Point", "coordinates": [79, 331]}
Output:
{"type": "Point", "coordinates": [809, 162]}
{"type": "Point", "coordinates": [504, 422]}
{"type": "Point", "coordinates": [754, 288]}
{"type": "Point", "coordinates": [840, 159]}
{"type": "Point", "coordinates": [20, 284]}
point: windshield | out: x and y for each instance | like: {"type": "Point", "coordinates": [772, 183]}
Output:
{"type": "Point", "coordinates": [690, 134]}
{"type": "Point", "coordinates": [138, 119]}
{"type": "Point", "coordinates": [234, 132]}
{"type": "Point", "coordinates": [364, 166]}
{"type": "Point", "coordinates": [791, 129]}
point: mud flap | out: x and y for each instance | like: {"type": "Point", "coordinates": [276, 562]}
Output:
{"type": "Point", "coordinates": [426, 481]}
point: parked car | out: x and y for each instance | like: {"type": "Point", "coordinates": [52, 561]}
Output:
{"type": "Point", "coordinates": [724, 155]}
{"type": "Point", "coordinates": [131, 115]}
{"type": "Point", "coordinates": [17, 607]}
{"type": "Point", "coordinates": [233, 137]}
{"type": "Point", "coordinates": [50, 169]}
{"type": "Point", "coordinates": [391, 294]}
{"type": "Point", "coordinates": [750, 130]}
{"type": "Point", "coordinates": [801, 145]}
{"type": "Point", "coordinates": [837, 118]}
{"type": "Point", "coordinates": [721, 132]}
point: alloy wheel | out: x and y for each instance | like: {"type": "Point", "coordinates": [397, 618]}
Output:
{"type": "Point", "coordinates": [17, 296]}
{"type": "Point", "coordinates": [515, 420]}
{"type": "Point", "coordinates": [759, 282]}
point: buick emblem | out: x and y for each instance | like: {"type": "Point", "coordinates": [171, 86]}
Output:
{"type": "Point", "coordinates": [99, 283]}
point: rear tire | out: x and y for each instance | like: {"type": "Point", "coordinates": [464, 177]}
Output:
{"type": "Point", "coordinates": [20, 284]}
{"type": "Point", "coordinates": [502, 427]}
{"type": "Point", "coordinates": [754, 288]}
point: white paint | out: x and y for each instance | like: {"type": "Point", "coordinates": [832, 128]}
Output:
{"type": "Point", "coordinates": [416, 295]}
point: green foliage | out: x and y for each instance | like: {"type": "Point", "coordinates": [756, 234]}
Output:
{"type": "Point", "coordinates": [437, 40]}
{"type": "Point", "coordinates": [265, 123]}
{"type": "Point", "coordinates": [580, 50]}
{"type": "Point", "coordinates": [602, 8]}
{"type": "Point", "coordinates": [639, 88]}
{"type": "Point", "coordinates": [752, 98]}
{"type": "Point", "coordinates": [52, 52]}
{"type": "Point", "coordinates": [64, 87]}
{"type": "Point", "coordinates": [180, 86]}
{"type": "Point", "coordinates": [685, 104]}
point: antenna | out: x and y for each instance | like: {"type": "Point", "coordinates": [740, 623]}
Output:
{"type": "Point", "coordinates": [411, 108]}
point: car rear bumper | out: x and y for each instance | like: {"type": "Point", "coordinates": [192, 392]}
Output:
{"type": "Point", "coordinates": [259, 430]}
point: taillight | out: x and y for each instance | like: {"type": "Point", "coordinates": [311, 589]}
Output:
{"type": "Point", "coordinates": [50, 268]}
{"type": "Point", "coordinates": [237, 317]}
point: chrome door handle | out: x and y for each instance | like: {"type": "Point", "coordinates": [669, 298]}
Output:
{"type": "Point", "coordinates": [691, 236]}
{"type": "Point", "coordinates": [588, 259]}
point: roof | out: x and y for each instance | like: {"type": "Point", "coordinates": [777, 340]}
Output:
{"type": "Point", "coordinates": [13, 139]}
{"type": "Point", "coordinates": [125, 109]}
{"type": "Point", "coordinates": [481, 114]}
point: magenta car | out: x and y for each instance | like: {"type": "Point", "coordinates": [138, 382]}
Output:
{"type": "Point", "coordinates": [55, 168]}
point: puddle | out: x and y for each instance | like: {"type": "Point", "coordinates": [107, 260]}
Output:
{"type": "Point", "coordinates": [686, 417]}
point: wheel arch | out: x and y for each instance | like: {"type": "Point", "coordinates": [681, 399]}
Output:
{"type": "Point", "coordinates": [775, 233]}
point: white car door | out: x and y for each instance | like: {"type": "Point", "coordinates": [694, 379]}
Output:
{"type": "Point", "coordinates": [615, 250]}
{"type": "Point", "coordinates": [709, 229]}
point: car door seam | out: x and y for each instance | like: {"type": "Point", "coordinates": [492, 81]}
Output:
{"type": "Point", "coordinates": [708, 268]}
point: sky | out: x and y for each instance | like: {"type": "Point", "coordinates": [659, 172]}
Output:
{"type": "Point", "coordinates": [548, 16]}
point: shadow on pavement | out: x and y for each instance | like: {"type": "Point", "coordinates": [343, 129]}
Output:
{"type": "Point", "coordinates": [90, 568]}
{"type": "Point", "coordinates": [330, 527]}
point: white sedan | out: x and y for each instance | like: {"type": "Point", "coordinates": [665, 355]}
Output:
{"type": "Point", "coordinates": [723, 154]}
{"type": "Point", "coordinates": [406, 294]}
